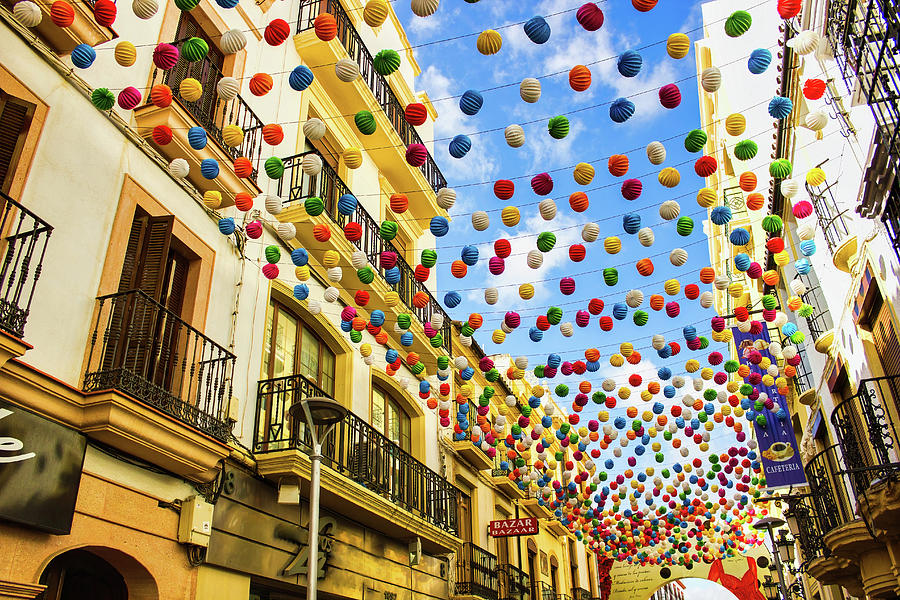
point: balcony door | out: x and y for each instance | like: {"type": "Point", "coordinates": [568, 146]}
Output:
{"type": "Point", "coordinates": [207, 71]}
{"type": "Point", "coordinates": [464, 513]}
{"type": "Point", "coordinates": [15, 119]}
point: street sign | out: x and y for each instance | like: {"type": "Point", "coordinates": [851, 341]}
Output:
{"type": "Point", "coordinates": [514, 527]}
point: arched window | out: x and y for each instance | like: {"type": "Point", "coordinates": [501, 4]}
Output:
{"type": "Point", "coordinates": [293, 347]}
{"type": "Point", "coordinates": [389, 418]}
{"type": "Point", "coordinates": [82, 575]}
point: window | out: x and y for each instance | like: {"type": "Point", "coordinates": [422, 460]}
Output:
{"type": "Point", "coordinates": [207, 71]}
{"type": "Point", "coordinates": [389, 418]}
{"type": "Point", "coordinates": [15, 118]}
{"type": "Point", "coordinates": [292, 347]}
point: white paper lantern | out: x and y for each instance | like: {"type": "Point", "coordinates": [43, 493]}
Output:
{"type": "Point", "coordinates": [491, 295]}
{"type": "Point", "coordinates": [144, 9]}
{"type": "Point", "coordinates": [460, 362]}
{"type": "Point", "coordinates": [743, 326]}
{"type": "Point", "coordinates": [806, 42]}
{"type": "Point", "coordinates": [816, 120]}
{"type": "Point", "coordinates": [505, 328]}
{"type": "Point", "coordinates": [721, 282]}
{"type": "Point", "coordinates": [687, 400]}
{"type": "Point", "coordinates": [446, 198]}
{"type": "Point", "coordinates": [646, 237]}
{"type": "Point", "coordinates": [273, 204]}
{"type": "Point", "coordinates": [789, 352]}
{"type": "Point", "coordinates": [634, 298]}
{"type": "Point", "coordinates": [530, 90]}
{"type": "Point", "coordinates": [286, 231]}
{"type": "Point", "coordinates": [547, 208]}
{"type": "Point", "coordinates": [566, 329]}
{"type": "Point", "coordinates": [27, 13]}
{"type": "Point", "coordinates": [480, 220]}
{"type": "Point", "coordinates": [790, 188]}
{"type": "Point", "coordinates": [228, 88]}
{"type": "Point", "coordinates": [775, 349]}
{"type": "Point", "coordinates": [347, 70]}
{"type": "Point", "coordinates": [711, 79]}
{"type": "Point", "coordinates": [590, 232]}
{"type": "Point", "coordinates": [515, 136]}
{"type": "Point", "coordinates": [780, 319]}
{"type": "Point", "coordinates": [335, 274]}
{"type": "Point", "coordinates": [521, 362]}
{"type": "Point", "coordinates": [658, 342]}
{"type": "Point", "coordinates": [669, 210]}
{"type": "Point", "coordinates": [656, 153]}
{"type": "Point", "coordinates": [465, 340]}
{"type": "Point", "coordinates": [314, 129]}
{"type": "Point", "coordinates": [369, 360]}
{"type": "Point", "coordinates": [358, 259]}
{"type": "Point", "coordinates": [437, 321]}
{"type": "Point", "coordinates": [311, 164]}
{"type": "Point", "coordinates": [807, 230]}
{"type": "Point", "coordinates": [798, 288]}
{"type": "Point", "coordinates": [232, 41]}
{"type": "Point", "coordinates": [314, 307]}
{"type": "Point", "coordinates": [331, 293]}
{"type": "Point", "coordinates": [678, 257]}
{"type": "Point", "coordinates": [698, 384]}
{"type": "Point", "coordinates": [535, 259]}
{"type": "Point", "coordinates": [179, 168]}
{"type": "Point", "coordinates": [608, 385]}
{"type": "Point", "coordinates": [678, 381]}
{"type": "Point", "coordinates": [706, 299]}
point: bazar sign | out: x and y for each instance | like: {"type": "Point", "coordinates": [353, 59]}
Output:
{"type": "Point", "coordinates": [512, 527]}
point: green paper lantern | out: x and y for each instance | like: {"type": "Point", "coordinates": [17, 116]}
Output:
{"type": "Point", "coordinates": [274, 167]}
{"type": "Point", "coordinates": [745, 389]}
{"type": "Point", "coordinates": [443, 361]}
{"type": "Point", "coordinates": [731, 366]}
{"type": "Point", "coordinates": [387, 61]}
{"type": "Point", "coordinates": [704, 343]}
{"type": "Point", "coordinates": [684, 226]}
{"type": "Point", "coordinates": [709, 395]}
{"type": "Point", "coordinates": [558, 127]}
{"type": "Point", "coordinates": [493, 375]}
{"type": "Point", "coordinates": [103, 99]}
{"type": "Point", "coordinates": [772, 223]}
{"type": "Point", "coordinates": [355, 336]}
{"type": "Point", "coordinates": [745, 149]}
{"type": "Point", "coordinates": [738, 23]}
{"type": "Point", "coordinates": [388, 230]}
{"type": "Point", "coordinates": [545, 241]}
{"type": "Point", "coordinates": [366, 275]}
{"type": "Point", "coordinates": [598, 397]}
{"type": "Point", "coordinates": [489, 392]}
{"type": "Point", "coordinates": [186, 5]}
{"type": "Point", "coordinates": [761, 421]}
{"type": "Point", "coordinates": [562, 390]}
{"type": "Point", "coordinates": [554, 315]}
{"type": "Point", "coordinates": [417, 368]}
{"type": "Point", "coordinates": [404, 320]}
{"type": "Point", "coordinates": [273, 254]}
{"type": "Point", "coordinates": [539, 371]}
{"type": "Point", "coordinates": [314, 206]}
{"type": "Point", "coordinates": [526, 411]}
{"type": "Point", "coordinates": [805, 311]}
{"type": "Point", "coordinates": [640, 318]}
{"type": "Point", "coordinates": [437, 341]}
{"type": "Point", "coordinates": [429, 258]}
{"type": "Point", "coordinates": [781, 168]}
{"type": "Point", "coordinates": [194, 49]}
{"type": "Point", "coordinates": [797, 337]}
{"type": "Point", "coordinates": [769, 302]}
{"type": "Point", "coordinates": [467, 330]}
{"type": "Point", "coordinates": [695, 140]}
{"type": "Point", "coordinates": [610, 276]}
{"type": "Point", "coordinates": [365, 122]}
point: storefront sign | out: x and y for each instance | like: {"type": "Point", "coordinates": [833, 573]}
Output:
{"type": "Point", "coordinates": [514, 527]}
{"type": "Point", "coordinates": [777, 443]}
{"type": "Point", "coordinates": [40, 470]}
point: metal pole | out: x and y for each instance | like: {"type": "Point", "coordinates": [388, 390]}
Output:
{"type": "Point", "coordinates": [313, 563]}
{"type": "Point", "coordinates": [519, 540]}
{"type": "Point", "coordinates": [782, 586]}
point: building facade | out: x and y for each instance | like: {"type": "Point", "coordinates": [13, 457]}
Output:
{"type": "Point", "coordinates": [179, 273]}
{"type": "Point", "coordinates": [836, 281]}
{"type": "Point", "coordinates": [670, 591]}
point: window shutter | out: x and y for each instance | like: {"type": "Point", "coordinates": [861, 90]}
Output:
{"type": "Point", "coordinates": [15, 117]}
{"type": "Point", "coordinates": [151, 262]}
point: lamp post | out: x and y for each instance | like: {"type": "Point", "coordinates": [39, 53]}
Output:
{"type": "Point", "coordinates": [770, 524]}
{"type": "Point", "coordinates": [320, 414]}
{"type": "Point", "coordinates": [770, 588]}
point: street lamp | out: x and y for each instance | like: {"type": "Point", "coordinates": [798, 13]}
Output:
{"type": "Point", "coordinates": [770, 524]}
{"type": "Point", "coordinates": [785, 547]}
{"type": "Point", "coordinates": [770, 588]}
{"type": "Point", "coordinates": [320, 414]}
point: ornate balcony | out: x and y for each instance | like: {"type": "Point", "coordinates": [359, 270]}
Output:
{"type": "Point", "coordinates": [580, 594]}
{"type": "Point", "coordinates": [23, 242]}
{"type": "Point", "coordinates": [140, 348]}
{"type": "Point", "coordinates": [830, 218]}
{"type": "Point", "coordinates": [547, 591]}
{"type": "Point", "coordinates": [212, 113]}
{"type": "Point", "coordinates": [476, 573]}
{"type": "Point", "coordinates": [514, 583]}
{"type": "Point", "coordinates": [297, 186]}
{"type": "Point", "coordinates": [387, 477]}
{"type": "Point", "coordinates": [83, 30]}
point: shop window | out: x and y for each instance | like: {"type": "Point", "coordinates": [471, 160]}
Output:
{"type": "Point", "coordinates": [291, 347]}
{"type": "Point", "coordinates": [15, 119]}
{"type": "Point", "coordinates": [389, 418]}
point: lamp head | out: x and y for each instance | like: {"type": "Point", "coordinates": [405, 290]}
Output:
{"type": "Point", "coordinates": [317, 411]}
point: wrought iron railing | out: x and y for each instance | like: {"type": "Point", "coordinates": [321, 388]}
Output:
{"type": "Point", "coordinates": [810, 532]}
{"type": "Point", "coordinates": [356, 450]}
{"type": "Point", "coordinates": [864, 39]}
{"type": "Point", "coordinates": [384, 95]}
{"type": "Point", "coordinates": [820, 321]}
{"type": "Point", "coordinates": [867, 434]}
{"type": "Point", "coordinates": [476, 573]}
{"type": "Point", "coordinates": [548, 592]}
{"type": "Point", "coordinates": [514, 583]}
{"type": "Point", "coordinates": [830, 217]}
{"type": "Point", "coordinates": [563, 597]}
{"type": "Point", "coordinates": [891, 215]}
{"type": "Point", "coordinates": [579, 593]}
{"type": "Point", "coordinates": [139, 347]}
{"type": "Point", "coordinates": [328, 186]}
{"type": "Point", "coordinates": [829, 498]}
{"type": "Point", "coordinates": [212, 112]}
{"type": "Point", "coordinates": [23, 242]}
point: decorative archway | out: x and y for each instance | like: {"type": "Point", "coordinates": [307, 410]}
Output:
{"type": "Point", "coordinates": [97, 573]}
{"type": "Point", "coordinates": [741, 575]}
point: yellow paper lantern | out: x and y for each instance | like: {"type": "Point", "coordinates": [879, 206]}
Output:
{"type": "Point", "coordinates": [726, 335]}
{"type": "Point", "coordinates": [736, 289]}
{"type": "Point", "coordinates": [669, 177]}
{"type": "Point", "coordinates": [489, 42]}
{"type": "Point", "coordinates": [232, 135]}
{"type": "Point", "coordinates": [709, 425]}
{"type": "Point", "coordinates": [375, 12]}
{"type": "Point", "coordinates": [646, 396]}
{"type": "Point", "coordinates": [603, 416]}
{"type": "Point", "coordinates": [672, 287]}
{"type": "Point", "coordinates": [732, 387]}
{"type": "Point", "coordinates": [392, 299]}
{"type": "Point", "coordinates": [735, 124]}
{"type": "Point", "coordinates": [331, 259]}
{"type": "Point", "coordinates": [624, 393]}
{"type": "Point", "coordinates": [704, 447]}
{"type": "Point", "coordinates": [768, 380]}
{"type": "Point", "coordinates": [692, 366]}
{"type": "Point", "coordinates": [738, 412]}
{"type": "Point", "coordinates": [526, 291]}
{"type": "Point", "coordinates": [465, 390]}
{"type": "Point", "coordinates": [726, 409]}
{"type": "Point", "coordinates": [510, 216]}
{"type": "Point", "coordinates": [365, 349]}
{"type": "Point", "coordinates": [626, 349]}
{"type": "Point", "coordinates": [616, 360]}
{"type": "Point", "coordinates": [815, 177]}
{"type": "Point", "coordinates": [212, 198]}
{"type": "Point", "coordinates": [498, 337]}
{"type": "Point", "coordinates": [706, 197]}
{"type": "Point", "coordinates": [678, 45]}
{"type": "Point", "coordinates": [782, 258]}
{"type": "Point", "coordinates": [353, 158]}
{"type": "Point", "coordinates": [302, 273]}
{"type": "Point", "coordinates": [583, 173]}
{"type": "Point", "coordinates": [125, 53]}
{"type": "Point", "coordinates": [190, 89]}
{"type": "Point", "coordinates": [612, 245]}
{"type": "Point", "coordinates": [706, 373]}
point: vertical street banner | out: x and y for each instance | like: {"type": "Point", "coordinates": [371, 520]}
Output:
{"type": "Point", "coordinates": [778, 449]}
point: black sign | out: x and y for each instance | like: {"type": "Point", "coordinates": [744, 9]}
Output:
{"type": "Point", "coordinates": [40, 470]}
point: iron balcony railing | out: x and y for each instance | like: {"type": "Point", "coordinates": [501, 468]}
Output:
{"type": "Point", "coordinates": [866, 433]}
{"type": "Point", "coordinates": [820, 321]}
{"type": "Point", "coordinates": [356, 450]}
{"type": "Point", "coordinates": [829, 503]}
{"type": "Point", "coordinates": [563, 597]}
{"type": "Point", "coordinates": [23, 242]}
{"type": "Point", "coordinates": [579, 593]}
{"type": "Point", "coordinates": [476, 573]}
{"type": "Point", "coordinates": [384, 95]}
{"type": "Point", "coordinates": [891, 215]}
{"type": "Point", "coordinates": [514, 583]}
{"type": "Point", "coordinates": [140, 348]}
{"type": "Point", "coordinates": [328, 186]}
{"type": "Point", "coordinates": [548, 592]}
{"type": "Point", "coordinates": [212, 112]}
{"type": "Point", "coordinates": [830, 217]}
{"type": "Point", "coordinates": [810, 533]}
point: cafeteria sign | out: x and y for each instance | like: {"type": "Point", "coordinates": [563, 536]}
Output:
{"type": "Point", "coordinates": [514, 527]}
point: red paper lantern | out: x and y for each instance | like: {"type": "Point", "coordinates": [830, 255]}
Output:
{"type": "Point", "coordinates": [399, 203]}
{"type": "Point", "coordinates": [105, 12]}
{"type": "Point", "coordinates": [595, 306]}
{"type": "Point", "coordinates": [504, 189]}
{"type": "Point", "coordinates": [416, 155]}
{"type": "Point", "coordinates": [277, 31]}
{"type": "Point", "coordinates": [62, 14]}
{"type": "Point", "coordinates": [162, 135]}
{"type": "Point", "coordinates": [416, 113]}
{"type": "Point", "coordinates": [502, 248]}
{"type": "Point", "coordinates": [692, 291]}
{"type": "Point", "coordinates": [243, 201]}
{"type": "Point", "coordinates": [644, 5]}
{"type": "Point", "coordinates": [705, 166]}
{"type": "Point", "coordinates": [353, 231]}
{"type": "Point", "coordinates": [321, 232]}
{"type": "Point", "coordinates": [590, 16]}
{"type": "Point", "coordinates": [243, 167]}
{"type": "Point", "coordinates": [325, 26]}
{"type": "Point", "coordinates": [606, 323]}
{"type": "Point", "coordinates": [645, 267]}
{"type": "Point", "coordinates": [707, 275]}
{"type": "Point", "coordinates": [577, 252]}
{"type": "Point", "coordinates": [775, 245]}
{"type": "Point", "coordinates": [814, 89]}
{"type": "Point", "coordinates": [669, 96]}
{"type": "Point", "coordinates": [788, 8]}
{"type": "Point", "coordinates": [273, 134]}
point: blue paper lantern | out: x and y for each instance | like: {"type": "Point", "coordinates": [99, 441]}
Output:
{"type": "Point", "coordinates": [209, 168]}
{"type": "Point", "coordinates": [664, 373]}
{"type": "Point", "coordinates": [439, 226]}
{"type": "Point", "coordinates": [227, 3]}
{"type": "Point", "coordinates": [469, 255]}
{"type": "Point", "coordinates": [299, 256]}
{"type": "Point", "coordinates": [780, 107]}
{"type": "Point", "coordinates": [803, 266]}
{"type": "Point", "coordinates": [535, 334]}
{"type": "Point", "coordinates": [742, 262]}
{"type": "Point", "coordinates": [537, 29]}
{"type": "Point", "coordinates": [631, 223]}
{"type": "Point", "coordinates": [593, 366]}
{"type": "Point", "coordinates": [553, 361]}
{"type": "Point", "coordinates": [619, 311]}
{"type": "Point", "coordinates": [452, 299]}
{"type": "Point", "coordinates": [347, 204]}
{"type": "Point", "coordinates": [471, 102]}
{"type": "Point", "coordinates": [406, 338]}
{"type": "Point", "coordinates": [720, 215]}
{"type": "Point", "coordinates": [226, 226]}
{"type": "Point", "coordinates": [301, 291]}
{"type": "Point", "coordinates": [759, 61]}
{"type": "Point", "coordinates": [629, 63]}
{"type": "Point", "coordinates": [460, 146]}
{"type": "Point", "coordinates": [391, 356]}
{"type": "Point", "coordinates": [301, 78]}
{"type": "Point", "coordinates": [808, 247]}
{"type": "Point", "coordinates": [739, 237]}
{"type": "Point", "coordinates": [197, 138]}
{"type": "Point", "coordinates": [392, 275]}
{"type": "Point", "coordinates": [690, 332]}
{"type": "Point", "coordinates": [621, 110]}
{"type": "Point", "coordinates": [346, 326]}
{"type": "Point", "coordinates": [788, 329]}
{"type": "Point", "coordinates": [83, 56]}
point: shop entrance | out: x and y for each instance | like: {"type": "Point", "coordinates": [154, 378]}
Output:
{"type": "Point", "coordinates": [82, 575]}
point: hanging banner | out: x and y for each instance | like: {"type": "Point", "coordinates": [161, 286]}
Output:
{"type": "Point", "coordinates": [777, 444]}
